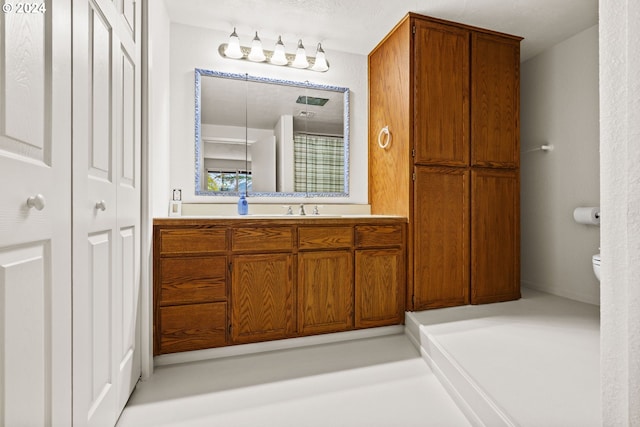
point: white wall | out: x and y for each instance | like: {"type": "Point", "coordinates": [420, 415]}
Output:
{"type": "Point", "coordinates": [156, 162]}
{"type": "Point", "coordinates": [559, 106]}
{"type": "Point", "coordinates": [158, 108]}
{"type": "Point", "coordinates": [620, 183]}
{"type": "Point", "coordinates": [194, 47]}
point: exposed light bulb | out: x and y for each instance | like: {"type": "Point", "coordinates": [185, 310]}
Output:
{"type": "Point", "coordinates": [321, 60]}
{"type": "Point", "coordinates": [256, 54]}
{"type": "Point", "coordinates": [233, 47]}
{"type": "Point", "coordinates": [279, 57]}
{"type": "Point", "coordinates": [301, 57]}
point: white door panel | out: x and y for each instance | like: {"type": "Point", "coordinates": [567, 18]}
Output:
{"type": "Point", "coordinates": [106, 211]}
{"type": "Point", "coordinates": [35, 242]}
{"type": "Point", "coordinates": [25, 308]}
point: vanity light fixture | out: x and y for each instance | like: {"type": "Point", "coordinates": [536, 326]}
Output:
{"type": "Point", "coordinates": [301, 57]}
{"type": "Point", "coordinates": [232, 49]}
{"type": "Point", "coordinates": [256, 54]}
{"type": "Point", "coordinates": [278, 56]}
{"type": "Point", "coordinates": [321, 60]}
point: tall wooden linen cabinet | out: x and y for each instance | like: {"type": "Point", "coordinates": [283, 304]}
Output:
{"type": "Point", "coordinates": [444, 146]}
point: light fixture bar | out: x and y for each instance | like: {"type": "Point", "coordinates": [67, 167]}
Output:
{"type": "Point", "coordinates": [318, 63]}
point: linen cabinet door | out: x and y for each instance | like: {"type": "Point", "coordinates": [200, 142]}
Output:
{"type": "Point", "coordinates": [325, 291]}
{"type": "Point", "coordinates": [495, 242]}
{"type": "Point", "coordinates": [495, 101]}
{"type": "Point", "coordinates": [441, 238]}
{"type": "Point", "coordinates": [262, 297]}
{"type": "Point", "coordinates": [441, 94]}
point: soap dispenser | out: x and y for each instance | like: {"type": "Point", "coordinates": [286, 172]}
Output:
{"type": "Point", "coordinates": [243, 205]}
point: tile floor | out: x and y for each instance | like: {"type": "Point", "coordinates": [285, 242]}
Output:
{"type": "Point", "coordinates": [536, 358]}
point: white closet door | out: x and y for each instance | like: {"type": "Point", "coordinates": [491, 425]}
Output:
{"type": "Point", "coordinates": [35, 237]}
{"type": "Point", "coordinates": [128, 164]}
{"type": "Point", "coordinates": [106, 207]}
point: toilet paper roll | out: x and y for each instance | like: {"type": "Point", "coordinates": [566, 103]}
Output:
{"type": "Point", "coordinates": [587, 215]}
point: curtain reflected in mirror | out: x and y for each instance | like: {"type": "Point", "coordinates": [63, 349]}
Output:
{"type": "Point", "coordinates": [319, 163]}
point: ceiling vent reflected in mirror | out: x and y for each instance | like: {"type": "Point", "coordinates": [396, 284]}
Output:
{"type": "Point", "coordinates": [310, 100]}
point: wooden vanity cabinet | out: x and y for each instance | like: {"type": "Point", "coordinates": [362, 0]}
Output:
{"type": "Point", "coordinates": [262, 283]}
{"type": "Point", "coordinates": [380, 275]}
{"type": "Point", "coordinates": [221, 282]}
{"type": "Point", "coordinates": [190, 288]}
{"type": "Point", "coordinates": [262, 289]}
{"type": "Point", "coordinates": [325, 279]}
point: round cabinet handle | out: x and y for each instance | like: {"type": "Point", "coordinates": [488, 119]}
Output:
{"type": "Point", "coordinates": [101, 205]}
{"type": "Point", "coordinates": [384, 131]}
{"type": "Point", "coordinates": [38, 201]}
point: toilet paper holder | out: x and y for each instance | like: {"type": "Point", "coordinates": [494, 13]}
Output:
{"type": "Point", "coordinates": [587, 215]}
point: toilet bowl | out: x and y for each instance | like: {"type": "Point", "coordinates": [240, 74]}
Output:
{"type": "Point", "coordinates": [596, 265]}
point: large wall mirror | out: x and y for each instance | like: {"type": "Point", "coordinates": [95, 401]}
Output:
{"type": "Point", "coordinates": [270, 137]}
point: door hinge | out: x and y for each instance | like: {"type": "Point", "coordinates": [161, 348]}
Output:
{"type": "Point", "coordinates": [413, 29]}
{"type": "Point", "coordinates": [413, 152]}
{"type": "Point", "coordinates": [413, 176]}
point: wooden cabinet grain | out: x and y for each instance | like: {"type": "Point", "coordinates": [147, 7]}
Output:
{"type": "Point", "coordinates": [380, 275]}
{"type": "Point", "coordinates": [190, 288]}
{"type": "Point", "coordinates": [441, 253]}
{"type": "Point", "coordinates": [495, 89]}
{"type": "Point", "coordinates": [441, 103]}
{"type": "Point", "coordinates": [262, 304]}
{"type": "Point", "coordinates": [256, 280]}
{"type": "Point", "coordinates": [192, 327]}
{"type": "Point", "coordinates": [325, 291]}
{"type": "Point", "coordinates": [495, 229]}
{"type": "Point", "coordinates": [449, 95]}
{"type": "Point", "coordinates": [379, 292]}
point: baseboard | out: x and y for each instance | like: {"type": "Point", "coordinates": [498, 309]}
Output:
{"type": "Point", "coordinates": [560, 292]}
{"type": "Point", "coordinates": [284, 344]}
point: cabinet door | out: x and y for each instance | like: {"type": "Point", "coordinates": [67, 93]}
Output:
{"type": "Point", "coordinates": [495, 127]}
{"type": "Point", "coordinates": [380, 276]}
{"type": "Point", "coordinates": [441, 238]}
{"type": "Point", "coordinates": [325, 291]}
{"type": "Point", "coordinates": [495, 231]}
{"type": "Point", "coordinates": [262, 297]}
{"type": "Point", "coordinates": [441, 94]}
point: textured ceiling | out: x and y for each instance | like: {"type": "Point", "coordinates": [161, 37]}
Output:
{"type": "Point", "coordinates": [356, 26]}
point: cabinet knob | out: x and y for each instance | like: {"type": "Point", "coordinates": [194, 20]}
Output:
{"type": "Point", "coordinates": [38, 201]}
{"type": "Point", "coordinates": [101, 205]}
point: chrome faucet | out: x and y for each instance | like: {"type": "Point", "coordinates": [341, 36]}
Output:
{"type": "Point", "coordinates": [302, 212]}
{"type": "Point", "coordinates": [289, 210]}
{"type": "Point", "coordinates": [315, 210]}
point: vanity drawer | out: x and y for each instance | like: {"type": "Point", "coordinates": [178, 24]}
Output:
{"type": "Point", "coordinates": [262, 239]}
{"type": "Point", "coordinates": [378, 235]}
{"type": "Point", "coordinates": [325, 237]}
{"type": "Point", "coordinates": [190, 240]}
{"type": "Point", "coordinates": [192, 279]}
{"type": "Point", "coordinates": [193, 327]}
